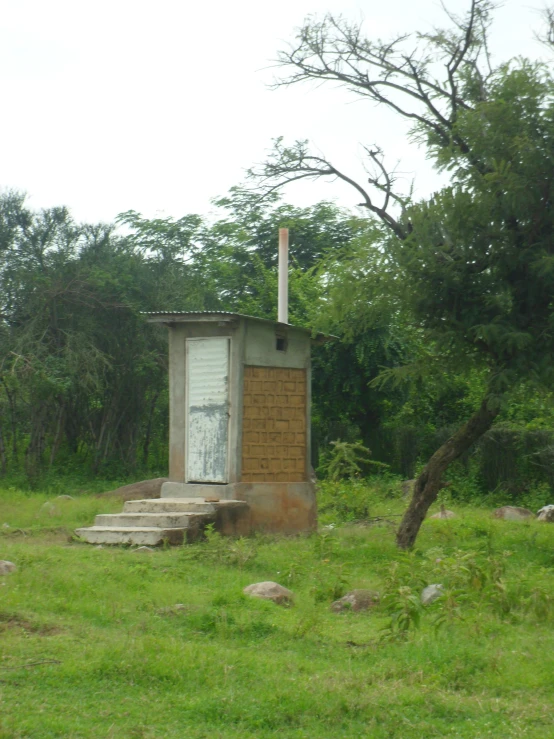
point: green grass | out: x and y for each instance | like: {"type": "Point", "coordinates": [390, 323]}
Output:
{"type": "Point", "coordinates": [90, 645]}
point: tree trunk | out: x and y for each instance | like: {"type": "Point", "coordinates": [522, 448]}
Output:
{"type": "Point", "coordinates": [146, 442]}
{"type": "Point", "coordinates": [13, 419]}
{"type": "Point", "coordinates": [429, 482]}
{"type": "Point", "coordinates": [57, 438]}
{"type": "Point", "coordinates": [3, 460]}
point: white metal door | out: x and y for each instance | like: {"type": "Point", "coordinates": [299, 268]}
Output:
{"type": "Point", "coordinates": [207, 409]}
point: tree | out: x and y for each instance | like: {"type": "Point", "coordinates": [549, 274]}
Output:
{"type": "Point", "coordinates": [473, 266]}
{"type": "Point", "coordinates": [80, 373]}
{"type": "Point", "coordinates": [82, 376]}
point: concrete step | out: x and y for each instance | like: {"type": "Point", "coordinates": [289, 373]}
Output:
{"type": "Point", "coordinates": [140, 535]}
{"type": "Point", "coordinates": [151, 520]}
{"type": "Point", "coordinates": [168, 505]}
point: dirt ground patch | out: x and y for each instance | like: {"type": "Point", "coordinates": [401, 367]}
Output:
{"type": "Point", "coordinates": [9, 621]}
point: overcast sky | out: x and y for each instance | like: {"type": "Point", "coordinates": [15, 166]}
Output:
{"type": "Point", "coordinates": [160, 106]}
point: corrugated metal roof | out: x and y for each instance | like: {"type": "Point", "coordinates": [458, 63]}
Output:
{"type": "Point", "coordinates": [208, 313]}
{"type": "Point", "coordinates": [197, 313]}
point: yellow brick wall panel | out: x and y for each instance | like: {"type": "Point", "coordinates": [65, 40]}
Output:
{"type": "Point", "coordinates": [274, 438]}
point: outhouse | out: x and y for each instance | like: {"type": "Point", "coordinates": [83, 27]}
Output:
{"type": "Point", "coordinates": [239, 430]}
{"type": "Point", "coordinates": [239, 411]}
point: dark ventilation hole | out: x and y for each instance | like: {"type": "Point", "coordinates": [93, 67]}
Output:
{"type": "Point", "coordinates": [281, 344]}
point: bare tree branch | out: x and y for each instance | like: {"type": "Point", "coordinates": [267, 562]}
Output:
{"type": "Point", "coordinates": [290, 164]}
{"type": "Point", "coordinates": [547, 35]}
{"type": "Point", "coordinates": [429, 84]}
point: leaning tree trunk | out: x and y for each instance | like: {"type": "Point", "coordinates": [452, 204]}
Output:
{"type": "Point", "coordinates": [429, 482]}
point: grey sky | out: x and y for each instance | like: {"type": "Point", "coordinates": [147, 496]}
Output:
{"type": "Point", "coordinates": [160, 106]}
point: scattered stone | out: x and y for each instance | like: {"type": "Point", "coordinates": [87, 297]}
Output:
{"type": "Point", "coordinates": [407, 488]}
{"type": "Point", "coordinates": [6, 567]}
{"type": "Point", "coordinates": [172, 610]}
{"type": "Point", "coordinates": [512, 513]}
{"type": "Point", "coordinates": [356, 600]}
{"type": "Point", "coordinates": [546, 513]}
{"type": "Point", "coordinates": [431, 593]}
{"type": "Point", "coordinates": [212, 500]}
{"type": "Point", "coordinates": [269, 591]}
{"type": "Point", "coordinates": [49, 508]}
{"type": "Point", "coordinates": [137, 490]}
{"type": "Point", "coordinates": [65, 497]}
{"type": "Point", "coordinates": [444, 513]}
{"type": "Point", "coordinates": [100, 546]}
{"type": "Point", "coordinates": [5, 525]}
{"type": "Point", "coordinates": [144, 550]}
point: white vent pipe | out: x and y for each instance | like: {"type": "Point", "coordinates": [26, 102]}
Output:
{"type": "Point", "coordinates": [283, 298]}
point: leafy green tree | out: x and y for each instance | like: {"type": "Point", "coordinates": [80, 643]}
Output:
{"type": "Point", "coordinates": [79, 371]}
{"type": "Point", "coordinates": [474, 264]}
{"type": "Point", "coordinates": [81, 374]}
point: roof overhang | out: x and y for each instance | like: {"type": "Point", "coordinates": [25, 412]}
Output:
{"type": "Point", "coordinates": [170, 318]}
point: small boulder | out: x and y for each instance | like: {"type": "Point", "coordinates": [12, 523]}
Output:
{"type": "Point", "coordinates": [431, 593]}
{"type": "Point", "coordinates": [49, 508]}
{"type": "Point", "coordinates": [6, 567]}
{"type": "Point", "coordinates": [64, 497]}
{"type": "Point", "coordinates": [143, 550]}
{"type": "Point", "coordinates": [269, 591]}
{"type": "Point", "coordinates": [512, 513]}
{"type": "Point", "coordinates": [444, 513]}
{"type": "Point", "coordinates": [356, 600]}
{"type": "Point", "coordinates": [173, 610]}
{"type": "Point", "coordinates": [546, 513]}
{"type": "Point", "coordinates": [143, 490]}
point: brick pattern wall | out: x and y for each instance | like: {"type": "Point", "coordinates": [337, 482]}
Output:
{"type": "Point", "coordinates": [274, 425]}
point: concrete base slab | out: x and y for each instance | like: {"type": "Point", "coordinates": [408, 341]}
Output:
{"type": "Point", "coordinates": [196, 490]}
{"type": "Point", "coordinates": [280, 507]}
{"type": "Point", "coordinates": [286, 507]}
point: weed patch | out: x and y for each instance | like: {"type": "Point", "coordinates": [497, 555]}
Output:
{"type": "Point", "coordinates": [168, 645]}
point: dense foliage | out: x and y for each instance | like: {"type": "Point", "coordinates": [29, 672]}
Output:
{"type": "Point", "coordinates": [83, 377]}
{"type": "Point", "coordinates": [470, 267]}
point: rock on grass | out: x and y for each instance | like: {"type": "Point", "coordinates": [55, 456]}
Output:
{"type": "Point", "coordinates": [270, 591]}
{"type": "Point", "coordinates": [6, 567]}
{"type": "Point", "coordinates": [444, 513]}
{"type": "Point", "coordinates": [512, 513]}
{"type": "Point", "coordinates": [356, 600]}
{"type": "Point", "coordinates": [546, 513]}
{"type": "Point", "coordinates": [145, 489]}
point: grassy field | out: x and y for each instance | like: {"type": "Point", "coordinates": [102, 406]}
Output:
{"type": "Point", "coordinates": [91, 644]}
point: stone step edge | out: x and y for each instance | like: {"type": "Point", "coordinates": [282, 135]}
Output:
{"type": "Point", "coordinates": [181, 501]}
{"type": "Point", "coordinates": [131, 529]}
{"type": "Point", "coordinates": [181, 505]}
{"type": "Point", "coordinates": [140, 535]}
{"type": "Point", "coordinates": [155, 515]}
